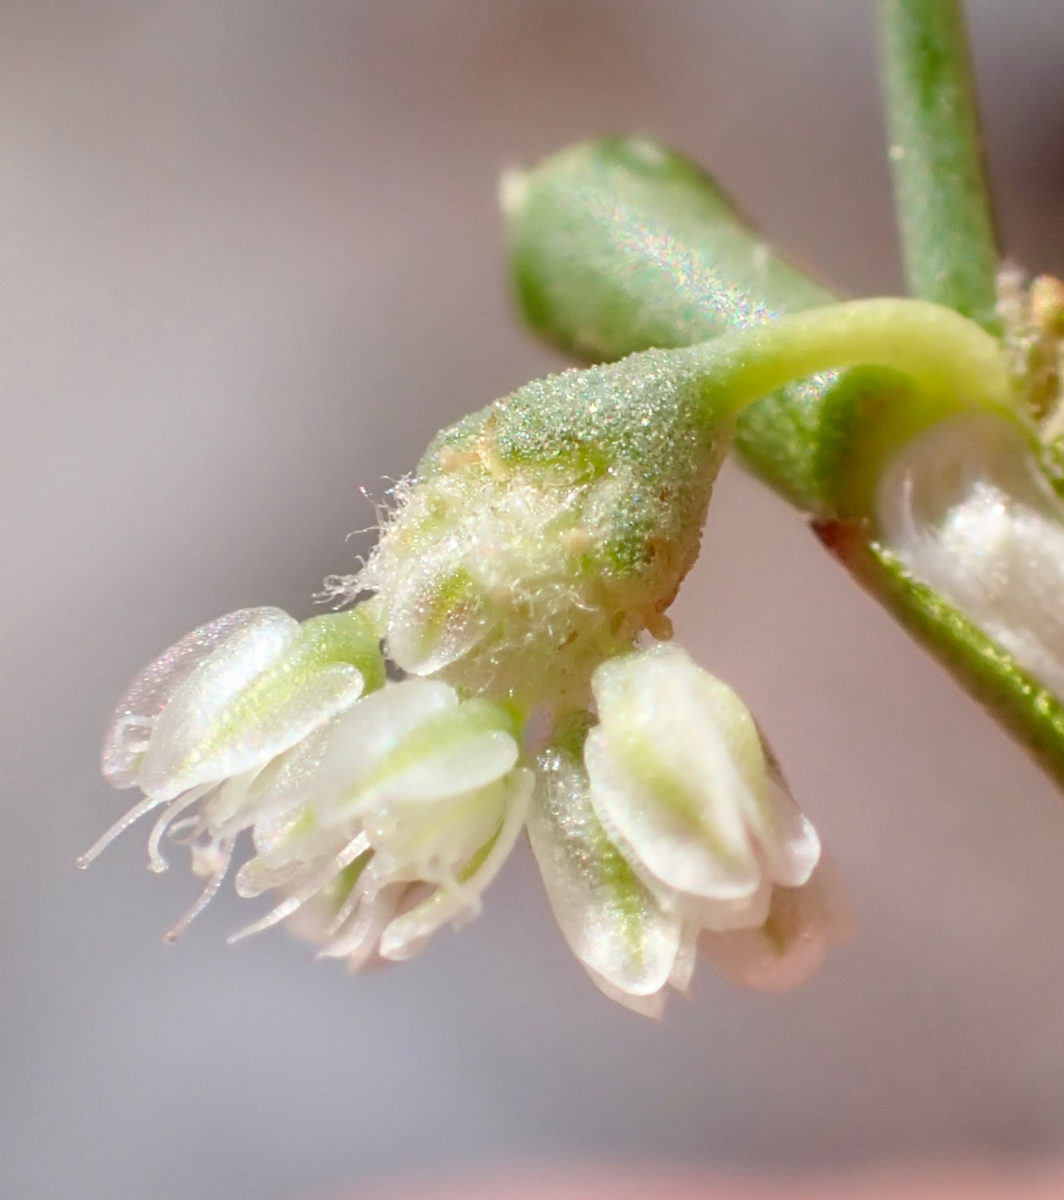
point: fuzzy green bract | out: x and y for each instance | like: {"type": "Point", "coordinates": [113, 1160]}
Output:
{"type": "Point", "coordinates": [567, 513]}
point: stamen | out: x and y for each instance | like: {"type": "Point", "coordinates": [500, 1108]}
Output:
{"type": "Point", "coordinates": [156, 862]}
{"type": "Point", "coordinates": [255, 877]}
{"type": "Point", "coordinates": [356, 847]}
{"type": "Point", "coordinates": [360, 941]}
{"type": "Point", "coordinates": [462, 901]}
{"type": "Point", "coordinates": [378, 917]}
{"type": "Point", "coordinates": [206, 896]}
{"type": "Point", "coordinates": [120, 826]}
{"type": "Point", "coordinates": [354, 898]}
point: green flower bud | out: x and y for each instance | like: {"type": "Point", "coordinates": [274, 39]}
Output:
{"type": "Point", "coordinates": [545, 532]}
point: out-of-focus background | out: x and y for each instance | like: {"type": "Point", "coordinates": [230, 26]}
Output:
{"type": "Point", "coordinates": [251, 262]}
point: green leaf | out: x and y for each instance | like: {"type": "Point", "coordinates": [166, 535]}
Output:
{"type": "Point", "coordinates": [619, 245]}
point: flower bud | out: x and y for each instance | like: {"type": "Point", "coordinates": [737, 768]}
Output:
{"type": "Point", "coordinates": [545, 532]}
{"type": "Point", "coordinates": [681, 780]}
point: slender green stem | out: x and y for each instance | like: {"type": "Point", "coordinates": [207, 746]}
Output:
{"type": "Point", "coordinates": [939, 363]}
{"type": "Point", "coordinates": [946, 356]}
{"type": "Point", "coordinates": [940, 190]}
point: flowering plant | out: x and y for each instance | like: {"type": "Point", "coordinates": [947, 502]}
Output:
{"type": "Point", "coordinates": [502, 661]}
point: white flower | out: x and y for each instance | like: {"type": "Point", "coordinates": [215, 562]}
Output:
{"type": "Point", "coordinates": [198, 726]}
{"type": "Point", "coordinates": [968, 509]}
{"type": "Point", "coordinates": [411, 805]}
{"type": "Point", "coordinates": [377, 818]}
{"type": "Point", "coordinates": [677, 823]}
{"type": "Point", "coordinates": [680, 777]}
{"type": "Point", "coordinates": [614, 924]}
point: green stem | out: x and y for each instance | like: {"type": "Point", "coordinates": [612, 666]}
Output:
{"type": "Point", "coordinates": [940, 190]}
{"type": "Point", "coordinates": [1025, 707]}
{"type": "Point", "coordinates": [948, 358]}
{"type": "Point", "coordinates": [938, 361]}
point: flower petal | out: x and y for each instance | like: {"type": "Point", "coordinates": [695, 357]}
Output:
{"type": "Point", "coordinates": [281, 790]}
{"type": "Point", "coordinates": [368, 734]}
{"type": "Point", "coordinates": [464, 765]}
{"type": "Point", "coordinates": [134, 719]}
{"type": "Point", "coordinates": [288, 842]}
{"type": "Point", "coordinates": [432, 842]}
{"type": "Point", "coordinates": [707, 912]}
{"type": "Point", "coordinates": [676, 811]}
{"type": "Point", "coordinates": [787, 837]}
{"type": "Point", "coordinates": [611, 920]}
{"type": "Point", "coordinates": [436, 615]}
{"type": "Point", "coordinates": [197, 712]}
{"type": "Point", "coordinates": [674, 768]}
{"type": "Point", "coordinates": [230, 717]}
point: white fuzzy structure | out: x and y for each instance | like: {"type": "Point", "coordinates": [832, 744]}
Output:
{"type": "Point", "coordinates": [968, 510]}
{"type": "Point", "coordinates": [489, 580]}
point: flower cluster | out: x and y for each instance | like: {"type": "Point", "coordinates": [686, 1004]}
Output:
{"type": "Point", "coordinates": [380, 810]}
{"type": "Point", "coordinates": [541, 540]}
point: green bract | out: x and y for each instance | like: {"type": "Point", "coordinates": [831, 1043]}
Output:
{"type": "Point", "coordinates": [543, 533]}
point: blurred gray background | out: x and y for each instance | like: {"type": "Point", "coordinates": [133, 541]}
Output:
{"type": "Point", "coordinates": [250, 262]}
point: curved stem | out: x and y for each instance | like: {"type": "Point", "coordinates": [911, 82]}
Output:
{"type": "Point", "coordinates": [950, 359]}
